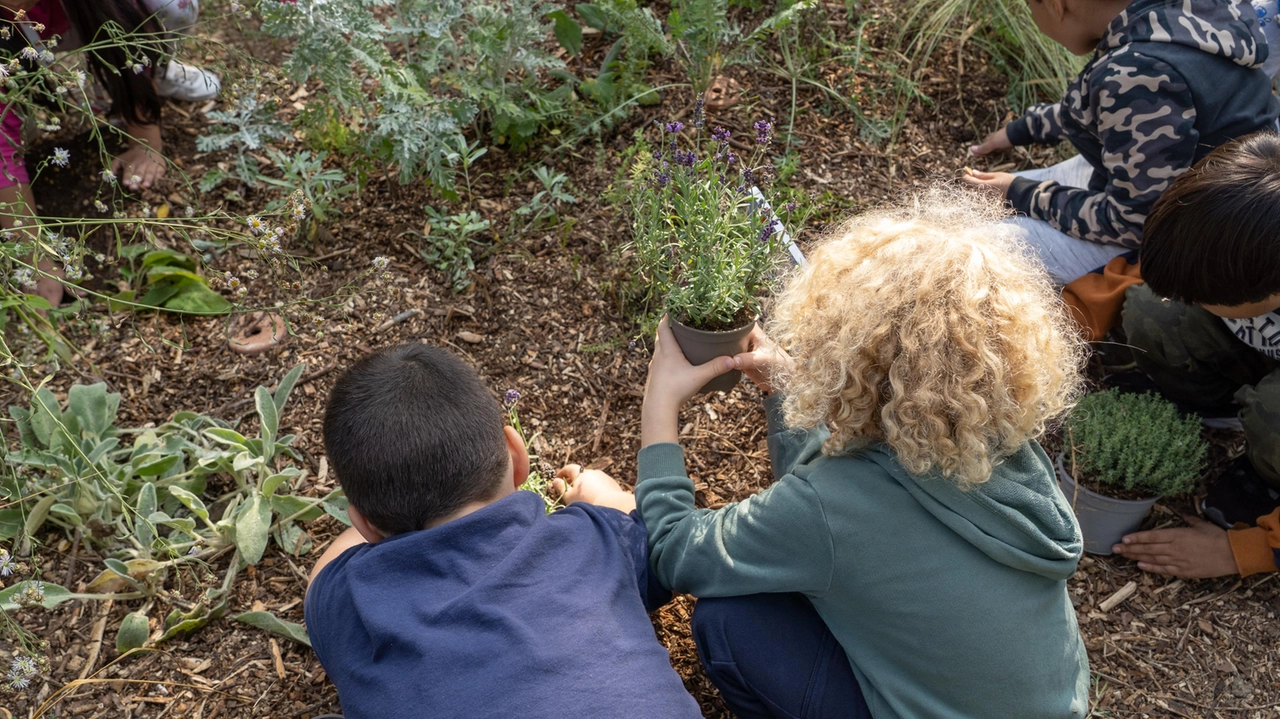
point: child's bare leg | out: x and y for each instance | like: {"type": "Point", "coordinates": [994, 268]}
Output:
{"type": "Point", "coordinates": [17, 211]}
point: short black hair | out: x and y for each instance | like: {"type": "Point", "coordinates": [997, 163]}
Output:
{"type": "Point", "coordinates": [413, 435]}
{"type": "Point", "coordinates": [1213, 238]}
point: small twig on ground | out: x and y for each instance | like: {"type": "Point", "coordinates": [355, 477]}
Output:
{"type": "Point", "coordinates": [1120, 595]}
{"type": "Point", "coordinates": [397, 319]}
{"type": "Point", "coordinates": [99, 627]}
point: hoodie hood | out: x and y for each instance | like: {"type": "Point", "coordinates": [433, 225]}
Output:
{"type": "Point", "coordinates": [1019, 517]}
{"type": "Point", "coordinates": [1225, 29]}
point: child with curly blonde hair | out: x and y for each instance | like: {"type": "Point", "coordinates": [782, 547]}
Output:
{"type": "Point", "coordinates": [911, 559]}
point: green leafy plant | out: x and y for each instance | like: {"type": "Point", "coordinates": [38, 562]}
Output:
{"type": "Point", "coordinates": [1136, 442]}
{"type": "Point", "coordinates": [439, 66]}
{"type": "Point", "coordinates": [703, 252]}
{"type": "Point", "coordinates": [143, 505]}
{"type": "Point", "coordinates": [304, 172]}
{"type": "Point", "coordinates": [247, 127]}
{"type": "Point", "coordinates": [165, 279]}
{"type": "Point", "coordinates": [448, 240]}
{"type": "Point", "coordinates": [544, 207]}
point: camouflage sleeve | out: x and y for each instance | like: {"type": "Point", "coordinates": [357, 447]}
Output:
{"type": "Point", "coordinates": [1040, 124]}
{"type": "Point", "coordinates": [1146, 122]}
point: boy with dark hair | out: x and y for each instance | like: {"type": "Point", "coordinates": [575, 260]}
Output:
{"type": "Point", "coordinates": [1167, 81]}
{"type": "Point", "coordinates": [1206, 328]}
{"type": "Point", "coordinates": [453, 594]}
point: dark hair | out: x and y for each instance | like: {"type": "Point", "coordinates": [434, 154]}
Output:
{"type": "Point", "coordinates": [132, 94]}
{"type": "Point", "coordinates": [413, 434]}
{"type": "Point", "coordinates": [1213, 238]}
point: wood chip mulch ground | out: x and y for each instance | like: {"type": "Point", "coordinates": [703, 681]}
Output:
{"type": "Point", "coordinates": [545, 315]}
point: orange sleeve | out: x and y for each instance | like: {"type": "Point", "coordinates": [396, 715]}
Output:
{"type": "Point", "coordinates": [1095, 300]}
{"type": "Point", "coordinates": [1256, 549]}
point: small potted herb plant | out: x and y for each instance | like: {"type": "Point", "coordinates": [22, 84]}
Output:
{"type": "Point", "coordinates": [1122, 453]}
{"type": "Point", "coordinates": [706, 245]}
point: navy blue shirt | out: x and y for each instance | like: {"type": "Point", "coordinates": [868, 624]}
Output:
{"type": "Point", "coordinates": [505, 612]}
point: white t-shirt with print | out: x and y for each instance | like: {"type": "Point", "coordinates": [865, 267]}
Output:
{"type": "Point", "coordinates": [1261, 333]}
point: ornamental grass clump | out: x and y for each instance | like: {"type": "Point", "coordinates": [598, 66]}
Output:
{"type": "Point", "coordinates": [705, 246]}
{"type": "Point", "coordinates": [1137, 442]}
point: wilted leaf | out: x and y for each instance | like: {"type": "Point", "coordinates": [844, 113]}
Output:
{"type": "Point", "coordinates": [269, 622]}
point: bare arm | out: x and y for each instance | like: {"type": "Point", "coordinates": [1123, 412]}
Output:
{"type": "Point", "coordinates": [342, 543]}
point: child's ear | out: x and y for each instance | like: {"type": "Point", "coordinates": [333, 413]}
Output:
{"type": "Point", "coordinates": [371, 534]}
{"type": "Point", "coordinates": [519, 456]}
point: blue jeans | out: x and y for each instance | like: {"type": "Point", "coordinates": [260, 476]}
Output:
{"type": "Point", "coordinates": [771, 656]}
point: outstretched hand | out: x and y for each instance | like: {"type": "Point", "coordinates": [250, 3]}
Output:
{"type": "Point", "coordinates": [997, 141]}
{"type": "Point", "coordinates": [1199, 551]}
{"type": "Point", "coordinates": [997, 182]}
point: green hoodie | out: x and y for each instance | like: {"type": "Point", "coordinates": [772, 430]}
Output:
{"type": "Point", "coordinates": [950, 604]}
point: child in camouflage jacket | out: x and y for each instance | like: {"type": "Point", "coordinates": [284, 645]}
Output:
{"type": "Point", "coordinates": [1168, 81]}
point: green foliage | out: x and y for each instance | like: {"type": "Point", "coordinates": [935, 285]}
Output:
{"type": "Point", "coordinates": [448, 244]}
{"type": "Point", "coordinates": [545, 206]}
{"type": "Point", "coordinates": [305, 172]}
{"type": "Point", "coordinates": [165, 279]}
{"type": "Point", "coordinates": [1136, 441]}
{"type": "Point", "coordinates": [702, 251]}
{"type": "Point", "coordinates": [143, 501]}
{"type": "Point", "coordinates": [269, 622]}
{"type": "Point", "coordinates": [1038, 68]}
{"type": "Point", "coordinates": [437, 66]}
{"type": "Point", "coordinates": [245, 128]}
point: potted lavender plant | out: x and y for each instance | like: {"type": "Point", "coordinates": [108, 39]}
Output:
{"type": "Point", "coordinates": [704, 246]}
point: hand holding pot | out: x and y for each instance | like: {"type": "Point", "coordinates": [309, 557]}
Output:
{"type": "Point", "coordinates": [672, 381]}
{"type": "Point", "coordinates": [764, 362]}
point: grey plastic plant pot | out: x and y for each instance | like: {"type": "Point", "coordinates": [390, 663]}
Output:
{"type": "Point", "coordinates": [700, 346]}
{"type": "Point", "coordinates": [1103, 520]}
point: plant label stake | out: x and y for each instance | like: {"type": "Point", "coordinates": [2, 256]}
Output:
{"type": "Point", "coordinates": [758, 202]}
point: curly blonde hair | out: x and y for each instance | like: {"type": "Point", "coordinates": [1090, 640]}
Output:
{"type": "Point", "coordinates": [929, 328]}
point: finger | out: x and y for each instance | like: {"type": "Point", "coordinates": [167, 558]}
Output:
{"type": "Point", "coordinates": [569, 472]}
{"type": "Point", "coordinates": [979, 150]}
{"type": "Point", "coordinates": [116, 164]}
{"type": "Point", "coordinates": [557, 488]}
{"type": "Point", "coordinates": [1165, 569]}
{"type": "Point", "coordinates": [1155, 536]}
{"type": "Point", "coordinates": [716, 367]}
{"type": "Point", "coordinates": [664, 330]}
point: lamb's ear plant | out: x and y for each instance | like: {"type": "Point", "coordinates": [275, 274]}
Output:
{"type": "Point", "coordinates": [138, 497]}
{"type": "Point", "coordinates": [1135, 442]}
{"type": "Point", "coordinates": [703, 254]}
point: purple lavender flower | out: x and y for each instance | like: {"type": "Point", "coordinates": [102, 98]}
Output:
{"type": "Point", "coordinates": [674, 126]}
{"type": "Point", "coordinates": [657, 154]}
{"type": "Point", "coordinates": [632, 344]}
{"type": "Point", "coordinates": [687, 159]}
{"type": "Point", "coordinates": [730, 158]}
{"type": "Point", "coordinates": [661, 179]}
{"type": "Point", "coordinates": [511, 397]}
{"type": "Point", "coordinates": [764, 131]}
{"type": "Point", "coordinates": [790, 207]}
{"type": "Point", "coordinates": [720, 135]}
{"type": "Point", "coordinates": [767, 232]}
{"type": "Point", "coordinates": [699, 114]}
{"type": "Point", "coordinates": [748, 176]}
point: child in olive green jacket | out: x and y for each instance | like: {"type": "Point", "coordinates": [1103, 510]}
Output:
{"type": "Point", "coordinates": [911, 559]}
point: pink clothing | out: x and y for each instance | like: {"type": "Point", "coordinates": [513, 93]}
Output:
{"type": "Point", "coordinates": [13, 171]}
